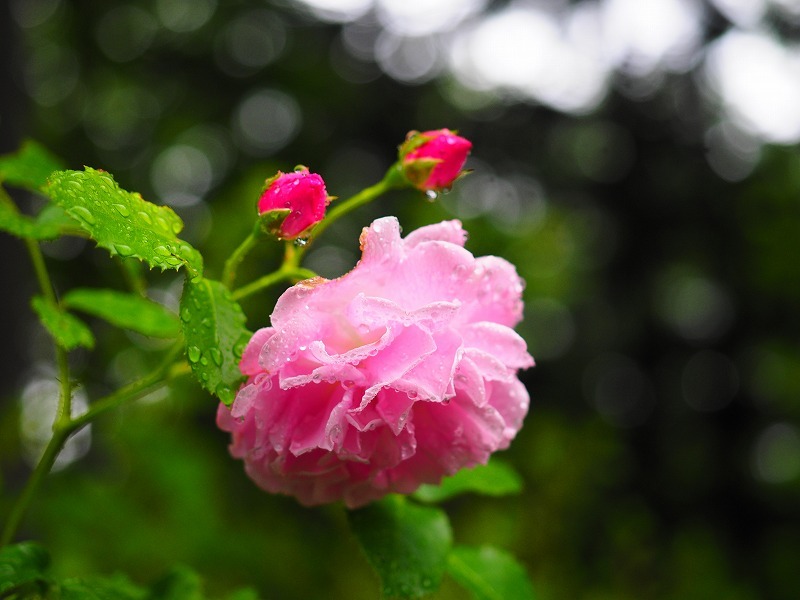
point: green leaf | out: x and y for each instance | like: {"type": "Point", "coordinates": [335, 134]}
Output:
{"type": "Point", "coordinates": [215, 333]}
{"type": "Point", "coordinates": [48, 225]}
{"type": "Point", "coordinates": [129, 311]}
{"type": "Point", "coordinates": [22, 565]}
{"type": "Point", "coordinates": [406, 544]}
{"type": "Point", "coordinates": [115, 587]}
{"type": "Point", "coordinates": [489, 573]}
{"type": "Point", "coordinates": [67, 330]}
{"type": "Point", "coordinates": [179, 584]}
{"type": "Point", "coordinates": [244, 594]}
{"type": "Point", "coordinates": [122, 222]}
{"type": "Point", "coordinates": [29, 167]}
{"type": "Point", "coordinates": [493, 479]}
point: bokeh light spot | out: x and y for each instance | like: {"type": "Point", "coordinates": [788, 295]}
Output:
{"type": "Point", "coordinates": [38, 407]}
{"type": "Point", "coordinates": [266, 121]}
{"type": "Point", "coordinates": [776, 454]}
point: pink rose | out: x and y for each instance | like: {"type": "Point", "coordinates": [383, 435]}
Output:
{"type": "Point", "coordinates": [300, 191]}
{"type": "Point", "coordinates": [432, 160]}
{"type": "Point", "coordinates": [398, 373]}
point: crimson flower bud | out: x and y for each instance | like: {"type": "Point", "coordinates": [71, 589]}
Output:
{"type": "Point", "coordinates": [296, 200]}
{"type": "Point", "coordinates": [433, 160]}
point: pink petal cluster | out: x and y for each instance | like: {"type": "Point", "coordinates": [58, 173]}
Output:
{"type": "Point", "coordinates": [432, 160]}
{"type": "Point", "coordinates": [398, 373]}
{"type": "Point", "coordinates": [303, 193]}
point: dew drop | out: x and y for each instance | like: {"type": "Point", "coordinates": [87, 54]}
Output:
{"type": "Point", "coordinates": [162, 250]}
{"type": "Point", "coordinates": [193, 353]}
{"type": "Point", "coordinates": [123, 250]}
{"type": "Point", "coordinates": [145, 217]}
{"type": "Point", "coordinates": [204, 360]}
{"type": "Point", "coordinates": [216, 356]}
{"type": "Point", "coordinates": [222, 390]}
{"type": "Point", "coordinates": [204, 377]}
{"type": "Point", "coordinates": [176, 227]}
{"type": "Point", "coordinates": [83, 214]}
{"type": "Point", "coordinates": [122, 210]}
{"type": "Point", "coordinates": [301, 242]}
{"type": "Point", "coordinates": [186, 315]}
{"type": "Point", "coordinates": [431, 195]}
{"type": "Point", "coordinates": [348, 384]}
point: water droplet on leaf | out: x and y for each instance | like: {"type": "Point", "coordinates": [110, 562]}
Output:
{"type": "Point", "coordinates": [193, 353]}
{"type": "Point", "coordinates": [186, 315]}
{"type": "Point", "coordinates": [83, 214]}
{"type": "Point", "coordinates": [431, 195]}
{"type": "Point", "coordinates": [122, 210]}
{"type": "Point", "coordinates": [216, 356]}
{"type": "Point", "coordinates": [123, 250]}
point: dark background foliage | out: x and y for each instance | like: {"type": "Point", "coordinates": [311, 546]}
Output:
{"type": "Point", "coordinates": [662, 451]}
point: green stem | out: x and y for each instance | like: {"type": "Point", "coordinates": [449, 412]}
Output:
{"type": "Point", "coordinates": [235, 259]}
{"type": "Point", "coordinates": [40, 269]}
{"type": "Point", "coordinates": [60, 436]}
{"type": "Point", "coordinates": [64, 413]}
{"type": "Point", "coordinates": [287, 272]}
{"type": "Point", "coordinates": [65, 426]}
{"type": "Point", "coordinates": [393, 178]}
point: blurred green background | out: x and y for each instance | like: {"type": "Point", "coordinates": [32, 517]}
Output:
{"type": "Point", "coordinates": [637, 160]}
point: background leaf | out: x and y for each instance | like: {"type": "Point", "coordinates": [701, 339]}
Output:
{"type": "Point", "coordinates": [213, 325]}
{"type": "Point", "coordinates": [122, 222]}
{"type": "Point", "coordinates": [407, 544]}
{"type": "Point", "coordinates": [493, 479]}
{"type": "Point", "coordinates": [68, 330]}
{"type": "Point", "coordinates": [29, 167]}
{"type": "Point", "coordinates": [128, 311]}
{"type": "Point", "coordinates": [48, 225]}
{"type": "Point", "coordinates": [179, 584]}
{"type": "Point", "coordinates": [489, 573]}
{"type": "Point", "coordinates": [115, 587]}
{"type": "Point", "coordinates": [22, 564]}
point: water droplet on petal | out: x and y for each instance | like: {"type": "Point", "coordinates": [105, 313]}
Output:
{"type": "Point", "coordinates": [193, 353]}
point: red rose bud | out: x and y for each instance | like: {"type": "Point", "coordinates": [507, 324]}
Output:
{"type": "Point", "coordinates": [433, 160]}
{"type": "Point", "coordinates": [302, 194]}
